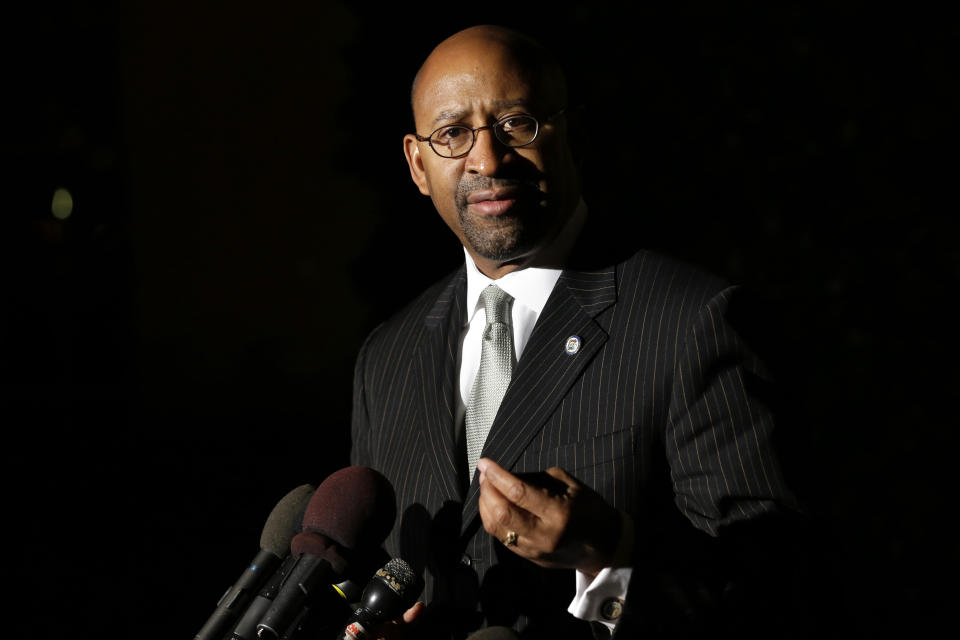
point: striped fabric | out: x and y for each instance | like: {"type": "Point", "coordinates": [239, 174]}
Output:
{"type": "Point", "coordinates": [660, 394]}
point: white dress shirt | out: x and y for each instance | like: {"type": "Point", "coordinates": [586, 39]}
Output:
{"type": "Point", "coordinates": [530, 289]}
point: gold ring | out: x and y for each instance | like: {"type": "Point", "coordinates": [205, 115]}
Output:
{"type": "Point", "coordinates": [511, 538]}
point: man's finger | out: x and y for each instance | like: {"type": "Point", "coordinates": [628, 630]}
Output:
{"type": "Point", "coordinates": [500, 518]}
{"type": "Point", "coordinates": [562, 475]}
{"type": "Point", "coordinates": [411, 614]}
{"type": "Point", "coordinates": [515, 490]}
{"type": "Point", "coordinates": [499, 515]}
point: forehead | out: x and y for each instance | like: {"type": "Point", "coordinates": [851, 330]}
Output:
{"type": "Point", "coordinates": [472, 81]}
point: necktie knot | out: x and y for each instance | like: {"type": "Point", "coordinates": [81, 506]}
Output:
{"type": "Point", "coordinates": [496, 304]}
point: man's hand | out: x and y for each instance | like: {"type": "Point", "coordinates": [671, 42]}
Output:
{"type": "Point", "coordinates": [399, 629]}
{"type": "Point", "coordinates": [558, 522]}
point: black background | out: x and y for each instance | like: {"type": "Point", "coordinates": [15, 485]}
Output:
{"type": "Point", "coordinates": [172, 359]}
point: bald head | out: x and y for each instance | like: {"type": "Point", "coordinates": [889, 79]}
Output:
{"type": "Point", "coordinates": [493, 46]}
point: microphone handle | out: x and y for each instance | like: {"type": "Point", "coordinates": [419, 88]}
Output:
{"type": "Point", "coordinates": [246, 628]}
{"type": "Point", "coordinates": [334, 603]}
{"type": "Point", "coordinates": [308, 577]}
{"type": "Point", "coordinates": [322, 617]}
{"type": "Point", "coordinates": [296, 627]}
{"type": "Point", "coordinates": [355, 630]}
{"type": "Point", "coordinates": [361, 624]}
{"type": "Point", "coordinates": [235, 599]}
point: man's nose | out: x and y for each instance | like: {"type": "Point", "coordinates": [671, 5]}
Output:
{"type": "Point", "coordinates": [487, 155]}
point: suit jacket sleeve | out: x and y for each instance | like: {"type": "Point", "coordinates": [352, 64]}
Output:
{"type": "Point", "coordinates": [720, 424]}
{"type": "Point", "coordinates": [729, 571]}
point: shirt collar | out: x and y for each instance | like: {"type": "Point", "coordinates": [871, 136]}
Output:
{"type": "Point", "coordinates": [529, 287]}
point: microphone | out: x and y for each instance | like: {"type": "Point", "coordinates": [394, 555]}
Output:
{"type": "Point", "coordinates": [246, 629]}
{"type": "Point", "coordinates": [317, 563]}
{"type": "Point", "coordinates": [282, 524]}
{"type": "Point", "coordinates": [338, 599]}
{"type": "Point", "coordinates": [346, 520]}
{"type": "Point", "coordinates": [391, 591]}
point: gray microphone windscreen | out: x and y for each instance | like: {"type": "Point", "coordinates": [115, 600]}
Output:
{"type": "Point", "coordinates": [285, 521]}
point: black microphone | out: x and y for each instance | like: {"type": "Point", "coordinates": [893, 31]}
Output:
{"type": "Point", "coordinates": [318, 562]}
{"type": "Point", "coordinates": [392, 590]}
{"type": "Point", "coordinates": [324, 618]}
{"type": "Point", "coordinates": [282, 524]}
{"type": "Point", "coordinates": [246, 628]}
{"type": "Point", "coordinates": [346, 520]}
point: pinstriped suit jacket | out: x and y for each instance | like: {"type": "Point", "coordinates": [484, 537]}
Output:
{"type": "Point", "coordinates": [658, 406]}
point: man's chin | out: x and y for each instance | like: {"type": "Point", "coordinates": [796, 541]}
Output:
{"type": "Point", "coordinates": [504, 238]}
{"type": "Point", "coordinates": [500, 249]}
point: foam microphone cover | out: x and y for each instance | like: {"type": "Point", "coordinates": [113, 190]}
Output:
{"type": "Point", "coordinates": [285, 520]}
{"type": "Point", "coordinates": [354, 507]}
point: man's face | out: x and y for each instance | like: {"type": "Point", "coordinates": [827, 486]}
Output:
{"type": "Point", "coordinates": [503, 203]}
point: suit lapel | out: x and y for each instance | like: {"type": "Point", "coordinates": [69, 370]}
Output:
{"type": "Point", "coordinates": [437, 364]}
{"type": "Point", "coordinates": [546, 371]}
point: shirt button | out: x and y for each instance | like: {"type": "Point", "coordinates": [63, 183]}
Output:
{"type": "Point", "coordinates": [466, 560]}
{"type": "Point", "coordinates": [611, 608]}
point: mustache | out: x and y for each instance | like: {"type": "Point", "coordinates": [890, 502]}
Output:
{"type": "Point", "coordinates": [476, 182]}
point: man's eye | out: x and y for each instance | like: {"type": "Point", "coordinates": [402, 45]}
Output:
{"type": "Point", "coordinates": [452, 134]}
{"type": "Point", "coordinates": [517, 124]}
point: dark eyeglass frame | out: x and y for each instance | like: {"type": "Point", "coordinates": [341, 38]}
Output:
{"type": "Point", "coordinates": [492, 127]}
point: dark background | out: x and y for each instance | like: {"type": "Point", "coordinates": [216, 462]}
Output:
{"type": "Point", "coordinates": [175, 354]}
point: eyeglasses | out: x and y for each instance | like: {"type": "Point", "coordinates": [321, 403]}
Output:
{"type": "Point", "coordinates": [456, 140]}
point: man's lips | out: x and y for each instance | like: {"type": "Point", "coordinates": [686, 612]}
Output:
{"type": "Point", "coordinates": [493, 202]}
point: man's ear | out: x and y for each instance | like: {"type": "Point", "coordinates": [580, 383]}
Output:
{"type": "Point", "coordinates": [412, 150]}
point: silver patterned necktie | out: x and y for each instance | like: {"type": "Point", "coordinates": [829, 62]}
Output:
{"type": "Point", "coordinates": [493, 377]}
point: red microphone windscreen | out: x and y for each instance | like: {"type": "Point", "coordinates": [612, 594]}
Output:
{"type": "Point", "coordinates": [354, 507]}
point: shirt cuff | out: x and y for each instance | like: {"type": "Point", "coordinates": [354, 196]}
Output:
{"type": "Point", "coordinates": [602, 598]}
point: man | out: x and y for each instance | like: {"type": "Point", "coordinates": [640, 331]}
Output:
{"type": "Point", "coordinates": [544, 419]}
